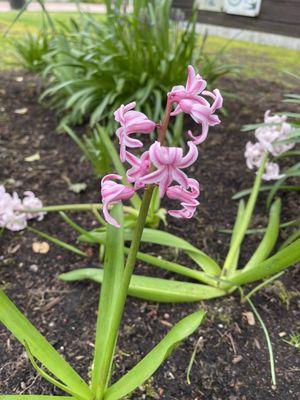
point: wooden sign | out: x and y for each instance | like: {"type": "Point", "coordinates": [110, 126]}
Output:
{"type": "Point", "coordinates": [249, 8]}
{"type": "Point", "coordinates": [211, 5]}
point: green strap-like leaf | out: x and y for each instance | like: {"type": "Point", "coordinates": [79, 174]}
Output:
{"type": "Point", "coordinates": [285, 258]}
{"type": "Point", "coordinates": [112, 279]}
{"type": "Point", "coordinates": [151, 362]}
{"type": "Point", "coordinates": [270, 238]}
{"type": "Point", "coordinates": [164, 239]}
{"type": "Point", "coordinates": [153, 289]}
{"type": "Point", "coordinates": [25, 332]}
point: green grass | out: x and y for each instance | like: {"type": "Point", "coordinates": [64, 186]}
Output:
{"type": "Point", "coordinates": [254, 60]}
{"type": "Point", "coordinates": [28, 22]}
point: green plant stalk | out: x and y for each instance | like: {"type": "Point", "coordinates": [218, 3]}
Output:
{"type": "Point", "coordinates": [106, 367]}
{"type": "Point", "coordinates": [58, 242]}
{"type": "Point", "coordinates": [270, 347]}
{"type": "Point", "coordinates": [105, 372]}
{"type": "Point", "coordinates": [261, 285]}
{"type": "Point", "coordinates": [229, 262]}
{"type": "Point", "coordinates": [77, 208]}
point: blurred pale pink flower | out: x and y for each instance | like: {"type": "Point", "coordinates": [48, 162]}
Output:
{"type": "Point", "coordinates": [30, 201]}
{"type": "Point", "coordinates": [139, 168]}
{"type": "Point", "coordinates": [131, 122]}
{"type": "Point", "coordinates": [254, 154]}
{"type": "Point", "coordinates": [113, 193]}
{"type": "Point", "coordinates": [187, 197]}
{"type": "Point", "coordinates": [272, 172]}
{"type": "Point", "coordinates": [12, 215]}
{"type": "Point", "coordinates": [270, 135]}
{"type": "Point", "coordinates": [169, 161]}
{"type": "Point", "coordinates": [14, 221]}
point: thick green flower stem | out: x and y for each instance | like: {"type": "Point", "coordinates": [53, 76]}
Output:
{"type": "Point", "coordinates": [106, 362]}
{"type": "Point", "coordinates": [105, 369]}
{"type": "Point", "coordinates": [230, 265]}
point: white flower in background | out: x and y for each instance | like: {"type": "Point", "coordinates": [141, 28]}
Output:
{"type": "Point", "coordinates": [14, 221]}
{"type": "Point", "coordinates": [272, 172]}
{"type": "Point", "coordinates": [269, 135]}
{"type": "Point", "coordinates": [254, 154]}
{"type": "Point", "coordinates": [30, 201]}
{"type": "Point", "coordinates": [12, 215]}
{"type": "Point", "coordinates": [276, 130]}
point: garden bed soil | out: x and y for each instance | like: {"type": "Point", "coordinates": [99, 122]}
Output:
{"type": "Point", "coordinates": [232, 360]}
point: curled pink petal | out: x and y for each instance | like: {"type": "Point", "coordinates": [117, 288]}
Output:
{"type": "Point", "coordinates": [169, 161]}
{"type": "Point", "coordinates": [187, 197]}
{"type": "Point", "coordinates": [190, 100]}
{"type": "Point", "coordinates": [113, 193]}
{"type": "Point", "coordinates": [139, 168]}
{"type": "Point", "coordinates": [131, 122]}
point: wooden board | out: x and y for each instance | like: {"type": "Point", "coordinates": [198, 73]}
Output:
{"type": "Point", "coordinates": [276, 16]}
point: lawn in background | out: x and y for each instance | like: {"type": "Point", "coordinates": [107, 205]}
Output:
{"type": "Point", "coordinates": [254, 60]}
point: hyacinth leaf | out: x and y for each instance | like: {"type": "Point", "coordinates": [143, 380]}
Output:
{"type": "Point", "coordinates": [264, 188]}
{"type": "Point", "coordinates": [58, 242]}
{"type": "Point", "coordinates": [283, 259]}
{"type": "Point", "coordinates": [290, 239]}
{"type": "Point", "coordinates": [165, 239]}
{"type": "Point", "coordinates": [294, 171]}
{"type": "Point", "coordinates": [237, 239]}
{"type": "Point", "coordinates": [236, 227]}
{"type": "Point", "coordinates": [26, 333]}
{"type": "Point", "coordinates": [270, 237]}
{"type": "Point", "coordinates": [152, 361]}
{"type": "Point", "coordinates": [152, 289]}
{"type": "Point", "coordinates": [45, 375]}
{"type": "Point", "coordinates": [112, 281]}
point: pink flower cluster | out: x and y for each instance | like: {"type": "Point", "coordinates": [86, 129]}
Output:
{"type": "Point", "coordinates": [161, 165]}
{"type": "Point", "coordinates": [12, 215]}
{"type": "Point", "coordinates": [268, 136]}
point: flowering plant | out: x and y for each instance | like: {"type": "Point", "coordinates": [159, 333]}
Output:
{"type": "Point", "coordinates": [159, 166]}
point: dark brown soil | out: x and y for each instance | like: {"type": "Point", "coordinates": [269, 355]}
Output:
{"type": "Point", "coordinates": [232, 360]}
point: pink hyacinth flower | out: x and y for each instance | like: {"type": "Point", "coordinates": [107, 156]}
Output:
{"type": "Point", "coordinates": [270, 135]}
{"type": "Point", "coordinates": [195, 84]}
{"type": "Point", "coordinates": [254, 154]}
{"type": "Point", "coordinates": [131, 122]}
{"type": "Point", "coordinates": [113, 193]}
{"type": "Point", "coordinates": [30, 201]}
{"type": "Point", "coordinates": [169, 161]}
{"type": "Point", "coordinates": [139, 168]}
{"type": "Point", "coordinates": [203, 114]}
{"type": "Point", "coordinates": [187, 197]}
{"type": "Point", "coordinates": [14, 221]}
{"type": "Point", "coordinates": [272, 172]}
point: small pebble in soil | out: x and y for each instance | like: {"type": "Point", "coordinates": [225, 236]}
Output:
{"type": "Point", "coordinates": [33, 268]}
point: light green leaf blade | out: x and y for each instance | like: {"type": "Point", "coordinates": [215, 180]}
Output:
{"type": "Point", "coordinates": [151, 362]}
{"type": "Point", "coordinates": [24, 331]}
{"type": "Point", "coordinates": [270, 237]}
{"type": "Point", "coordinates": [285, 258]}
{"type": "Point", "coordinates": [106, 334]}
{"type": "Point", "coordinates": [165, 239]}
{"type": "Point", "coordinates": [152, 289]}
